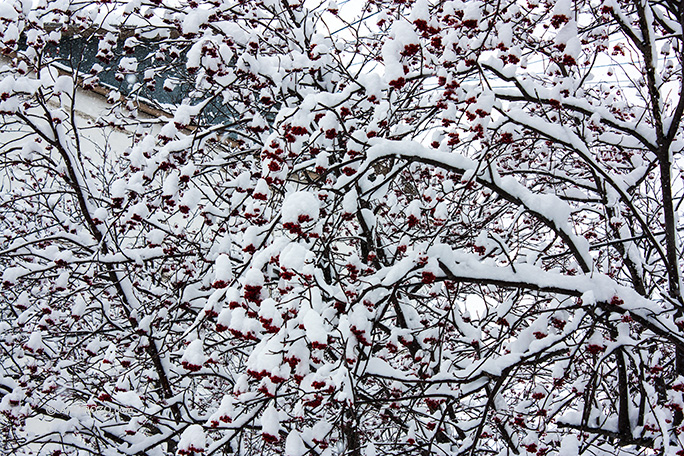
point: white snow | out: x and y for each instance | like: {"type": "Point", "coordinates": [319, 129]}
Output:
{"type": "Point", "coordinates": [298, 204]}
{"type": "Point", "coordinates": [192, 440]}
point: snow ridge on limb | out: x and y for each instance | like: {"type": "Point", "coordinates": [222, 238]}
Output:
{"type": "Point", "coordinates": [550, 209]}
